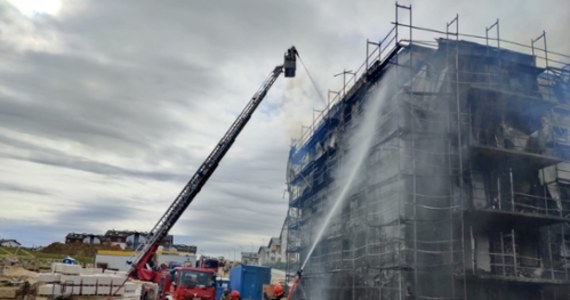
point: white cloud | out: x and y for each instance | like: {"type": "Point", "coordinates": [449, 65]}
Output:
{"type": "Point", "coordinates": [32, 8]}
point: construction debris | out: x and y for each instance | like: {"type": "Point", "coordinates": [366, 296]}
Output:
{"type": "Point", "coordinates": [17, 283]}
{"type": "Point", "coordinates": [76, 249]}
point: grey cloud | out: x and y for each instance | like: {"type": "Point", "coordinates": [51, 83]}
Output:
{"type": "Point", "coordinates": [18, 188]}
{"type": "Point", "coordinates": [80, 100]}
{"type": "Point", "coordinates": [42, 155]}
{"type": "Point", "coordinates": [89, 215]}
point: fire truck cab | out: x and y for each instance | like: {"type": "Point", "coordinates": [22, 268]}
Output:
{"type": "Point", "coordinates": [187, 283]}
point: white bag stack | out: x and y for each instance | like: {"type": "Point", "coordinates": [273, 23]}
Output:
{"type": "Point", "coordinates": [49, 290]}
{"type": "Point", "coordinates": [73, 280]}
{"type": "Point", "coordinates": [103, 280]}
{"type": "Point", "coordinates": [91, 271]}
{"type": "Point", "coordinates": [71, 269]}
{"type": "Point", "coordinates": [49, 277]}
{"type": "Point", "coordinates": [57, 267]}
{"type": "Point", "coordinates": [88, 290]}
{"type": "Point", "coordinates": [88, 280]}
{"type": "Point", "coordinates": [70, 279]}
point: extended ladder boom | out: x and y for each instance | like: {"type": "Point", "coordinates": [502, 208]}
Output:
{"type": "Point", "coordinates": [193, 187]}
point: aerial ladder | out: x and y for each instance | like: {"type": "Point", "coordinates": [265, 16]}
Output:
{"type": "Point", "coordinates": [139, 269]}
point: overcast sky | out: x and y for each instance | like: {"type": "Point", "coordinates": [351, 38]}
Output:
{"type": "Point", "coordinates": [108, 107]}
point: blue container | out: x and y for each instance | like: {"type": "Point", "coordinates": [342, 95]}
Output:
{"type": "Point", "coordinates": [249, 281]}
{"type": "Point", "coordinates": [221, 286]}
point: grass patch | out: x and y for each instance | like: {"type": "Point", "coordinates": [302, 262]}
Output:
{"type": "Point", "coordinates": [30, 256]}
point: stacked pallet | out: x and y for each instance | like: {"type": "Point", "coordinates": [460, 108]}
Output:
{"type": "Point", "coordinates": [73, 280]}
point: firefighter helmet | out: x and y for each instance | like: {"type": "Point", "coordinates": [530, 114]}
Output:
{"type": "Point", "coordinates": [278, 290]}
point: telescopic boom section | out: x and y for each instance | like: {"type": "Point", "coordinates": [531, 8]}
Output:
{"type": "Point", "coordinates": [193, 187]}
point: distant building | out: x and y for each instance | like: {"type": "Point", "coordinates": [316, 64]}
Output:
{"type": "Point", "coordinates": [84, 238]}
{"type": "Point", "coordinates": [9, 243]}
{"type": "Point", "coordinates": [272, 253]}
{"type": "Point", "coordinates": [185, 248]}
{"type": "Point", "coordinates": [262, 255]}
{"type": "Point", "coordinates": [123, 238]}
{"type": "Point", "coordinates": [249, 258]}
{"type": "Point", "coordinates": [276, 249]}
{"type": "Point", "coordinates": [133, 239]}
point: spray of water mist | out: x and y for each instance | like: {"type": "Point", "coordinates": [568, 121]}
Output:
{"type": "Point", "coordinates": [360, 143]}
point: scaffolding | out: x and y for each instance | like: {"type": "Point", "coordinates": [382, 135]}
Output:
{"type": "Point", "coordinates": [466, 191]}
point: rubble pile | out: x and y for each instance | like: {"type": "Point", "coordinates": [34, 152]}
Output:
{"type": "Point", "coordinates": [17, 283]}
{"type": "Point", "coordinates": [76, 249]}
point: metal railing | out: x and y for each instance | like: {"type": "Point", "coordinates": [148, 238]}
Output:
{"type": "Point", "coordinates": [519, 266]}
{"type": "Point", "coordinates": [509, 200]}
{"type": "Point", "coordinates": [502, 135]}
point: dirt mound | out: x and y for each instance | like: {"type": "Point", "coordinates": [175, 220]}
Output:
{"type": "Point", "coordinates": [75, 249]}
{"type": "Point", "coordinates": [17, 274]}
{"type": "Point", "coordinates": [17, 283]}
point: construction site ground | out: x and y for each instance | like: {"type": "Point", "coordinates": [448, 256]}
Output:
{"type": "Point", "coordinates": [19, 267]}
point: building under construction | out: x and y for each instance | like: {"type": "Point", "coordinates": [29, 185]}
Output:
{"type": "Point", "coordinates": [465, 191]}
